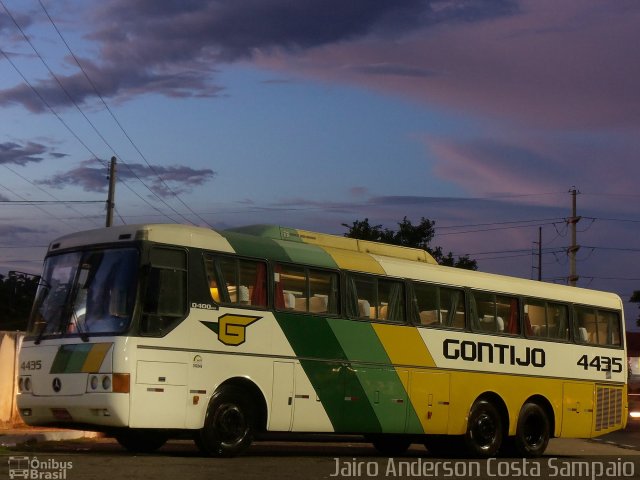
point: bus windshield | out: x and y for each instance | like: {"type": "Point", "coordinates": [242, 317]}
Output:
{"type": "Point", "coordinates": [86, 292]}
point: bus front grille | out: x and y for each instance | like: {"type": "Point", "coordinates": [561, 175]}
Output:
{"type": "Point", "coordinates": [608, 407]}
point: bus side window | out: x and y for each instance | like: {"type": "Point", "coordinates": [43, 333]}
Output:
{"type": "Point", "coordinates": [237, 281]}
{"type": "Point", "coordinates": [165, 300]}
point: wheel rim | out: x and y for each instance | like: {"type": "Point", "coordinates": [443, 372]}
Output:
{"type": "Point", "coordinates": [230, 424]}
{"type": "Point", "coordinates": [484, 430]}
{"type": "Point", "coordinates": [533, 431]}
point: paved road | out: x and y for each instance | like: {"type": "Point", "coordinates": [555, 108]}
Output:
{"type": "Point", "coordinates": [104, 459]}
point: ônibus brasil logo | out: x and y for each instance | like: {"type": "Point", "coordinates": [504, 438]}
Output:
{"type": "Point", "coordinates": [232, 328]}
{"type": "Point", "coordinates": [33, 468]}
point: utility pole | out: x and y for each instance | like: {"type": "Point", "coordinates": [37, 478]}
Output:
{"type": "Point", "coordinates": [539, 243]}
{"type": "Point", "coordinates": [539, 254]}
{"type": "Point", "coordinates": [573, 249]}
{"type": "Point", "coordinates": [112, 192]}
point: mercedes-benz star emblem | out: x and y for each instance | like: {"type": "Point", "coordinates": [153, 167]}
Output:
{"type": "Point", "coordinates": [57, 384]}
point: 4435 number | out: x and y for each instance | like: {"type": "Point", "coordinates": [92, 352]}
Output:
{"type": "Point", "coordinates": [601, 363]}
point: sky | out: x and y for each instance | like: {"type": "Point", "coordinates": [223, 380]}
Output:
{"type": "Point", "coordinates": [480, 115]}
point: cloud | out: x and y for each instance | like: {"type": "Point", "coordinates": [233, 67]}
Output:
{"type": "Point", "coordinates": [547, 64]}
{"type": "Point", "coordinates": [164, 181]}
{"type": "Point", "coordinates": [519, 166]}
{"type": "Point", "coordinates": [12, 153]}
{"type": "Point", "coordinates": [173, 48]}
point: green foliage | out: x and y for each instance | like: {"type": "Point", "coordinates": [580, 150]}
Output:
{"type": "Point", "coordinates": [17, 291]}
{"type": "Point", "coordinates": [409, 235]}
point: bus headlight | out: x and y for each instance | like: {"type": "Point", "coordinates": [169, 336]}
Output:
{"type": "Point", "coordinates": [27, 384]}
{"type": "Point", "coordinates": [106, 383]}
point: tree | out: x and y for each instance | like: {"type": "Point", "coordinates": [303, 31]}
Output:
{"type": "Point", "coordinates": [17, 291]}
{"type": "Point", "coordinates": [409, 235]}
{"type": "Point", "coordinates": [635, 298]}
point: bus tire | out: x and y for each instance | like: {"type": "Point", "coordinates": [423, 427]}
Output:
{"type": "Point", "coordinates": [228, 425]}
{"type": "Point", "coordinates": [484, 434]}
{"type": "Point", "coordinates": [533, 431]}
{"type": "Point", "coordinates": [141, 441]}
{"type": "Point", "coordinates": [390, 445]}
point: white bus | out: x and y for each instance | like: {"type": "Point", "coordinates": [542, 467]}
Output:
{"type": "Point", "coordinates": [149, 332]}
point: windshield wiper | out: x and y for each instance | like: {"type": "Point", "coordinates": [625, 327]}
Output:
{"type": "Point", "coordinates": [82, 332]}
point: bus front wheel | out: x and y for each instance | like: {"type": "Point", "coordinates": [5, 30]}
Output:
{"type": "Point", "coordinates": [484, 430]}
{"type": "Point", "coordinates": [533, 431]}
{"type": "Point", "coordinates": [228, 425]}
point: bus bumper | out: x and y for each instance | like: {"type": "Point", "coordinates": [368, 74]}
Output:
{"type": "Point", "coordinates": [102, 410]}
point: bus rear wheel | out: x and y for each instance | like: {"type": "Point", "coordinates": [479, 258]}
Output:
{"type": "Point", "coordinates": [484, 430]}
{"type": "Point", "coordinates": [141, 441]}
{"type": "Point", "coordinates": [228, 425]}
{"type": "Point", "coordinates": [533, 431]}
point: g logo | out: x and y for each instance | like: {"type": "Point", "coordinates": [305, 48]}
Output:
{"type": "Point", "coordinates": [232, 328]}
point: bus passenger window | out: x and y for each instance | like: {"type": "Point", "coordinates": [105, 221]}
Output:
{"type": "Point", "coordinates": [427, 303]}
{"type": "Point", "coordinates": [237, 281]}
{"type": "Point", "coordinates": [374, 298]}
{"type": "Point", "coordinates": [305, 289]}
{"type": "Point", "coordinates": [546, 319]}
{"type": "Point", "coordinates": [438, 306]}
{"type": "Point", "coordinates": [486, 319]}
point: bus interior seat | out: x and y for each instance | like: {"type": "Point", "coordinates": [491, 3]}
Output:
{"type": "Point", "coordinates": [289, 300]}
{"type": "Point", "coordinates": [364, 309]}
{"type": "Point", "coordinates": [429, 317]}
{"type": "Point", "coordinates": [583, 335]}
{"type": "Point", "coordinates": [243, 295]}
{"type": "Point", "coordinates": [318, 304]}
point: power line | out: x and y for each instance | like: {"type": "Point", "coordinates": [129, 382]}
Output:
{"type": "Point", "coordinates": [95, 129]}
{"type": "Point", "coordinates": [73, 133]}
{"type": "Point", "coordinates": [115, 119]}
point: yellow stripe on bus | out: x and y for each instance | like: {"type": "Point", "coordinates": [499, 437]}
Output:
{"type": "Point", "coordinates": [405, 346]}
{"type": "Point", "coordinates": [96, 356]}
{"type": "Point", "coordinates": [361, 262]}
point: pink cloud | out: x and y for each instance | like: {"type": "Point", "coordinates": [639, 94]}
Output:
{"type": "Point", "coordinates": [561, 64]}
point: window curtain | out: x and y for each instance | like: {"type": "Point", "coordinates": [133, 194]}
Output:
{"type": "Point", "coordinates": [453, 308]}
{"type": "Point", "coordinates": [352, 298]}
{"type": "Point", "coordinates": [332, 301]}
{"type": "Point", "coordinates": [473, 312]}
{"type": "Point", "coordinates": [395, 311]}
{"type": "Point", "coordinates": [513, 326]}
{"type": "Point", "coordinates": [259, 295]}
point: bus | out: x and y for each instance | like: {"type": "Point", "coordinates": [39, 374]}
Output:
{"type": "Point", "coordinates": [152, 332]}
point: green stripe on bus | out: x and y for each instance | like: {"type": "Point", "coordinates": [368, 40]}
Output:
{"type": "Point", "coordinates": [279, 250]}
{"type": "Point", "coordinates": [307, 254]}
{"type": "Point", "coordinates": [326, 366]}
{"type": "Point", "coordinates": [70, 358]}
{"type": "Point", "coordinates": [381, 382]}
{"type": "Point", "coordinates": [250, 246]}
